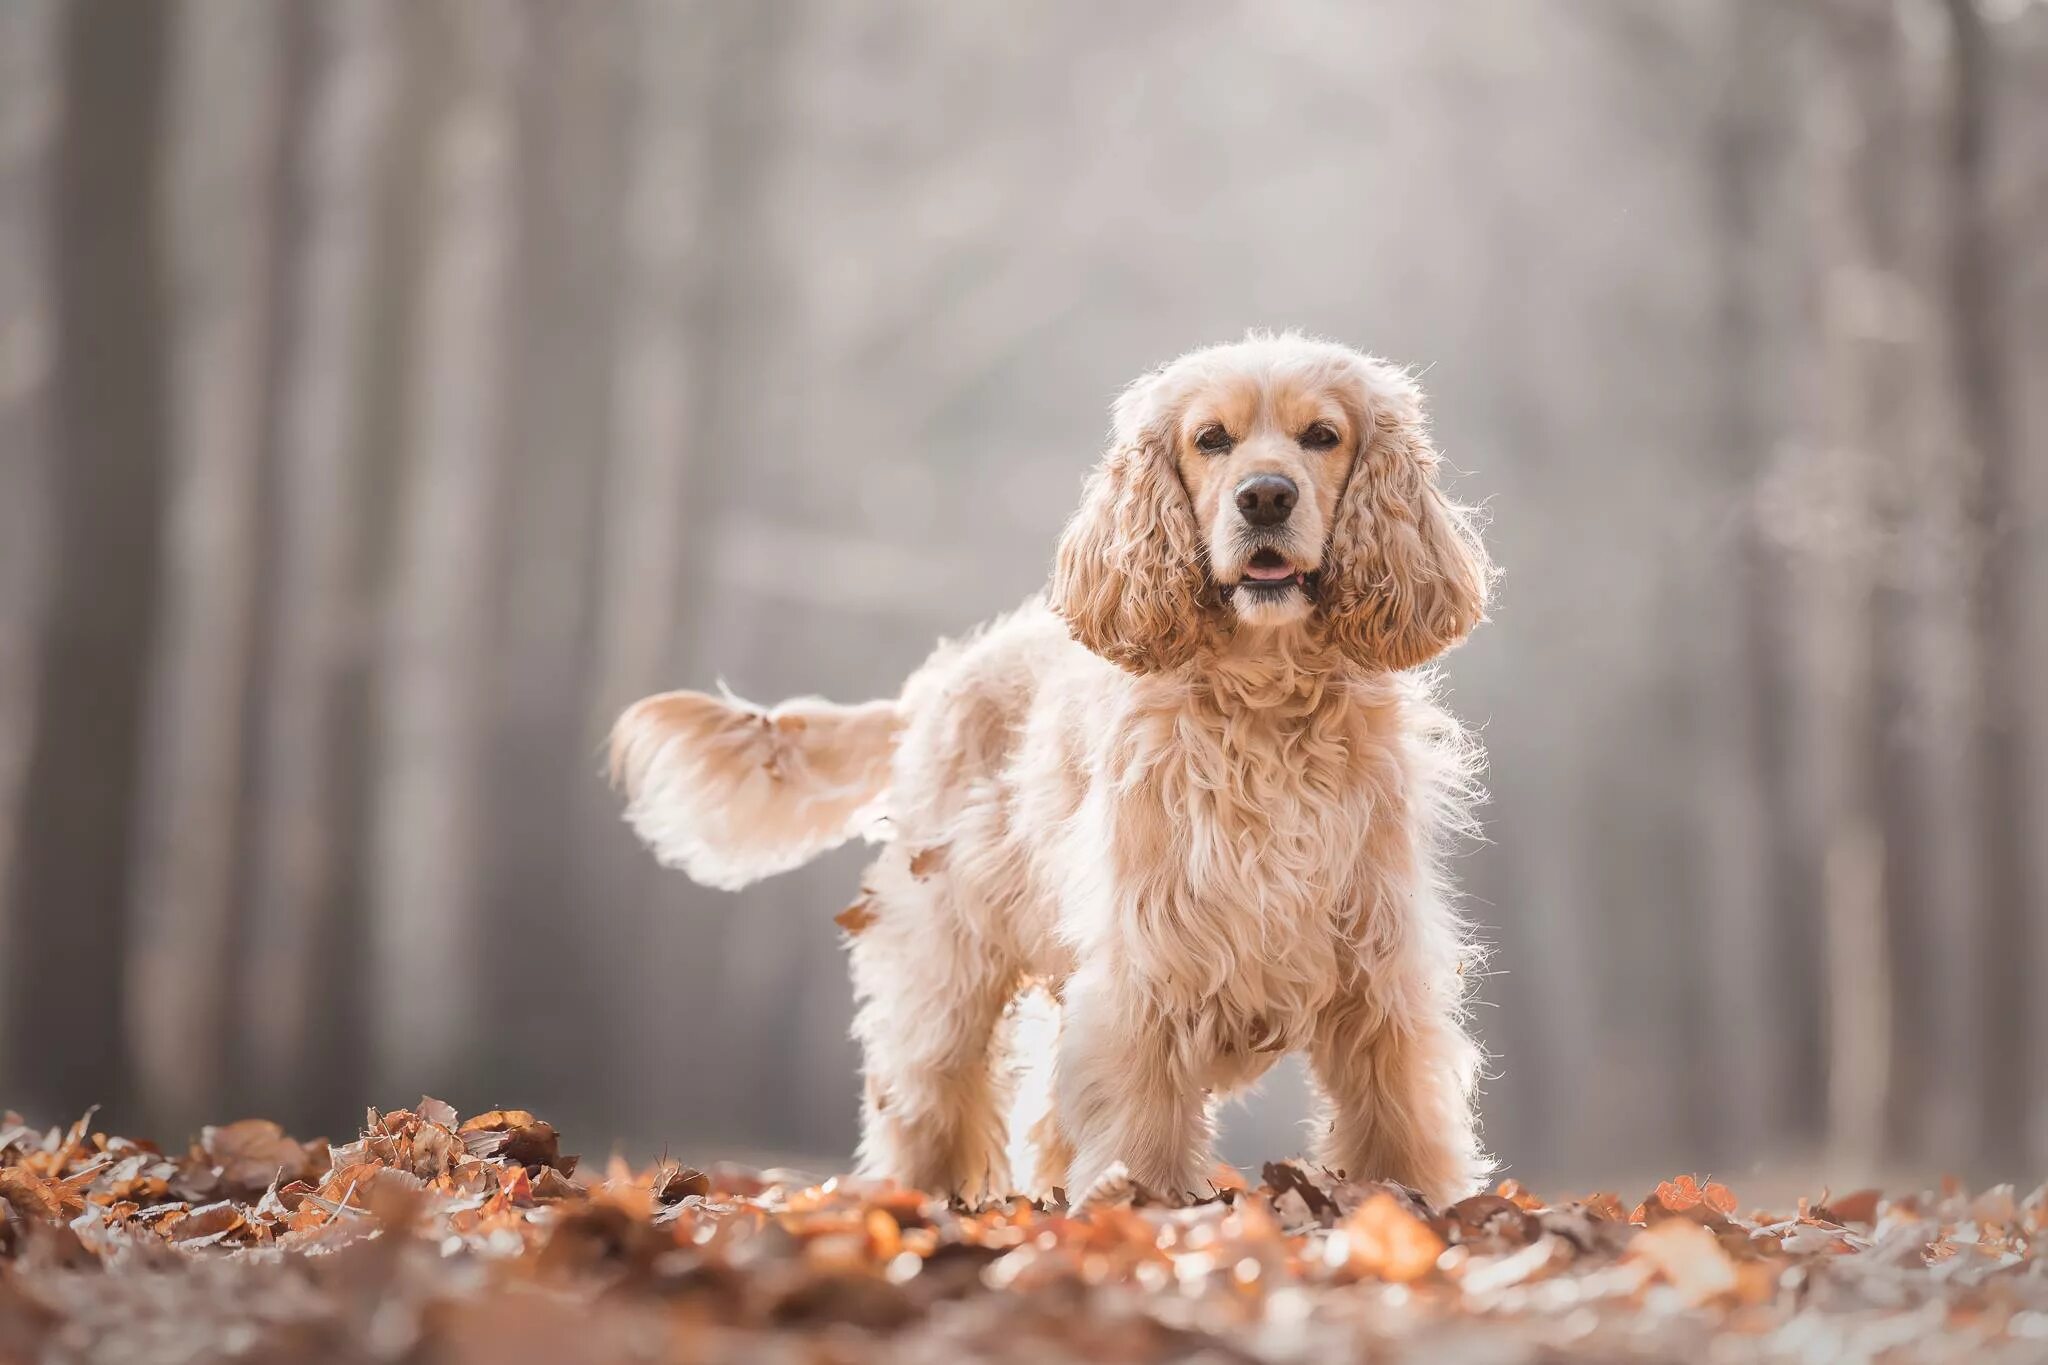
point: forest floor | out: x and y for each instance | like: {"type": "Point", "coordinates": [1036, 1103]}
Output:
{"type": "Point", "coordinates": [432, 1239]}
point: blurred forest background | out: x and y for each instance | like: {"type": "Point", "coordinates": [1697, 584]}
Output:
{"type": "Point", "coordinates": [392, 389]}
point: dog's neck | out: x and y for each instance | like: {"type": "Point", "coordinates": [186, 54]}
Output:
{"type": "Point", "coordinates": [1283, 669]}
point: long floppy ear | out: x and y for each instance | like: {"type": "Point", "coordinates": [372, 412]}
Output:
{"type": "Point", "coordinates": [1408, 576]}
{"type": "Point", "coordinates": [1128, 578]}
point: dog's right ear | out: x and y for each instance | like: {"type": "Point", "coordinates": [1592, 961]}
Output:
{"type": "Point", "coordinates": [1128, 576]}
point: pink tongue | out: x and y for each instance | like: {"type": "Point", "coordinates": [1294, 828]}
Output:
{"type": "Point", "coordinates": [1268, 573]}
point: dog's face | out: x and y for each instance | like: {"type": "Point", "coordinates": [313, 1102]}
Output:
{"type": "Point", "coordinates": [1264, 456]}
{"type": "Point", "coordinates": [1280, 485]}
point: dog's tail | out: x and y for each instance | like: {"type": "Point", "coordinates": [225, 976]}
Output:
{"type": "Point", "coordinates": [731, 792]}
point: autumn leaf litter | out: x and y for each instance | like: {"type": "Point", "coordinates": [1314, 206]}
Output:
{"type": "Point", "coordinates": [433, 1238]}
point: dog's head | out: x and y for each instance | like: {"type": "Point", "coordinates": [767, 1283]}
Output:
{"type": "Point", "coordinates": [1276, 484]}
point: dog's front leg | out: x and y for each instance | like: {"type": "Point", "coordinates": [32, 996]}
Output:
{"type": "Point", "coordinates": [1126, 1093]}
{"type": "Point", "coordinates": [1395, 1074]}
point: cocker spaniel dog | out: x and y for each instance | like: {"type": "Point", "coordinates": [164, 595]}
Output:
{"type": "Point", "coordinates": [1200, 789]}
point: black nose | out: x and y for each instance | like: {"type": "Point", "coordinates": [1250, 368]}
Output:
{"type": "Point", "coordinates": [1267, 499]}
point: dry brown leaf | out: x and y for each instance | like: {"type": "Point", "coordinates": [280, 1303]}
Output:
{"type": "Point", "coordinates": [1688, 1257]}
{"type": "Point", "coordinates": [676, 1183]}
{"type": "Point", "coordinates": [436, 1111]}
{"type": "Point", "coordinates": [207, 1225]}
{"type": "Point", "coordinates": [497, 1120]}
{"type": "Point", "coordinates": [1604, 1205]}
{"type": "Point", "coordinates": [517, 1185]}
{"type": "Point", "coordinates": [1384, 1240]}
{"type": "Point", "coordinates": [249, 1153]}
{"type": "Point", "coordinates": [1512, 1191]}
{"type": "Point", "coordinates": [1684, 1196]}
{"type": "Point", "coordinates": [30, 1194]}
{"type": "Point", "coordinates": [759, 1254]}
{"type": "Point", "coordinates": [1858, 1206]}
{"type": "Point", "coordinates": [1291, 1177]}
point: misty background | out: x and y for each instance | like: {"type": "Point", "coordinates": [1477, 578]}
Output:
{"type": "Point", "coordinates": [390, 392]}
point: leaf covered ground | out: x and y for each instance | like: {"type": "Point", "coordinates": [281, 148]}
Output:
{"type": "Point", "coordinates": [433, 1239]}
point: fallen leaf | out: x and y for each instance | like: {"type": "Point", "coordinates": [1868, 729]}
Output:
{"type": "Point", "coordinates": [1284, 1176]}
{"type": "Point", "coordinates": [677, 1183]}
{"type": "Point", "coordinates": [436, 1111]}
{"type": "Point", "coordinates": [30, 1194]}
{"type": "Point", "coordinates": [516, 1184]}
{"type": "Point", "coordinates": [497, 1121]}
{"type": "Point", "coordinates": [1497, 1224]}
{"type": "Point", "coordinates": [1607, 1206]}
{"type": "Point", "coordinates": [207, 1225]}
{"type": "Point", "coordinates": [1686, 1197]}
{"type": "Point", "coordinates": [1382, 1239]}
{"type": "Point", "coordinates": [1226, 1178]}
{"type": "Point", "coordinates": [249, 1153]}
{"type": "Point", "coordinates": [1858, 1206]}
{"type": "Point", "coordinates": [1688, 1257]}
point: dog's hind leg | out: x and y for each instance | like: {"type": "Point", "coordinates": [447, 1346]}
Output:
{"type": "Point", "coordinates": [1039, 1150]}
{"type": "Point", "coordinates": [931, 998]}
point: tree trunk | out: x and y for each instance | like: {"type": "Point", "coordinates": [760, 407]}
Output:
{"type": "Point", "coordinates": [1882, 332]}
{"type": "Point", "coordinates": [1855, 630]}
{"type": "Point", "coordinates": [70, 871]}
{"type": "Point", "coordinates": [655, 411]}
{"type": "Point", "coordinates": [222, 127]}
{"type": "Point", "coordinates": [2011, 1022]}
{"type": "Point", "coordinates": [318, 609]}
{"type": "Point", "coordinates": [654, 402]}
{"type": "Point", "coordinates": [703, 83]}
{"type": "Point", "coordinates": [1763, 1043]}
{"type": "Point", "coordinates": [28, 114]}
{"type": "Point", "coordinates": [424, 928]}
{"type": "Point", "coordinates": [570, 114]}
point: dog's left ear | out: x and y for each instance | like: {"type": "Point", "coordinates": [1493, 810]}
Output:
{"type": "Point", "coordinates": [1408, 577]}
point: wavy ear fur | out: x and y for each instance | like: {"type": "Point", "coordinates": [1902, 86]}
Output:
{"type": "Point", "coordinates": [1128, 578]}
{"type": "Point", "coordinates": [1408, 576]}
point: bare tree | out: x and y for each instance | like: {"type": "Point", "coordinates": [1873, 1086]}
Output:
{"type": "Point", "coordinates": [1859, 313]}
{"type": "Point", "coordinates": [704, 145]}
{"type": "Point", "coordinates": [652, 397]}
{"type": "Point", "coordinates": [2020, 189]}
{"type": "Point", "coordinates": [571, 112]}
{"type": "Point", "coordinates": [70, 873]}
{"type": "Point", "coordinates": [28, 92]}
{"type": "Point", "coordinates": [320, 616]}
{"type": "Point", "coordinates": [2008, 805]}
{"type": "Point", "coordinates": [222, 131]}
{"type": "Point", "coordinates": [424, 929]}
{"type": "Point", "coordinates": [656, 407]}
{"type": "Point", "coordinates": [1760, 1044]}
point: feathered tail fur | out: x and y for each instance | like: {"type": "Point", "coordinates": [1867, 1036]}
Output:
{"type": "Point", "coordinates": [731, 792]}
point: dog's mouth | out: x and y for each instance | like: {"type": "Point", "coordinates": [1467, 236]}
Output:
{"type": "Point", "coordinates": [1268, 573]}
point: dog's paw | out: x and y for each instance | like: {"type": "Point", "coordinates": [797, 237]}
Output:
{"type": "Point", "coordinates": [1114, 1188]}
{"type": "Point", "coordinates": [1118, 1188]}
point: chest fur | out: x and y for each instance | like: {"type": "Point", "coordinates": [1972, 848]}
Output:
{"type": "Point", "coordinates": [1257, 846]}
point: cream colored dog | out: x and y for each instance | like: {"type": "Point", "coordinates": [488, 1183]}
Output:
{"type": "Point", "coordinates": [1197, 789]}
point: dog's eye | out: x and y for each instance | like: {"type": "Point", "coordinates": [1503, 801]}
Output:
{"type": "Point", "coordinates": [1321, 436]}
{"type": "Point", "coordinates": [1212, 439]}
